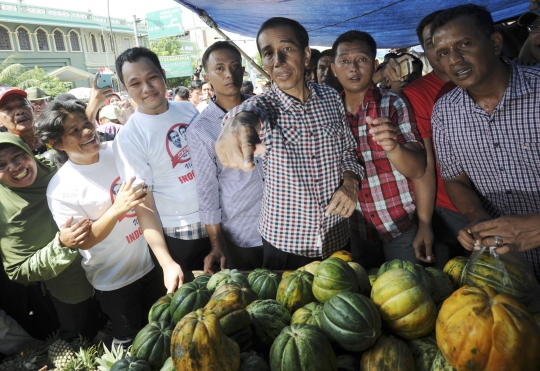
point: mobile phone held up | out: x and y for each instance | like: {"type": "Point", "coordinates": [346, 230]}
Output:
{"type": "Point", "coordinates": [406, 67]}
{"type": "Point", "coordinates": [104, 80]}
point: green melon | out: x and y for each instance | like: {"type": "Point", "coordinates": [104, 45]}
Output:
{"type": "Point", "coordinates": [415, 269]}
{"type": "Point", "coordinates": [268, 318]}
{"type": "Point", "coordinates": [309, 313]}
{"type": "Point", "coordinates": [160, 309]}
{"type": "Point", "coordinates": [332, 277]}
{"type": "Point", "coordinates": [295, 290]}
{"type": "Point", "coordinates": [424, 351]}
{"type": "Point", "coordinates": [264, 282]}
{"type": "Point", "coordinates": [225, 277]}
{"type": "Point", "coordinates": [443, 285]}
{"type": "Point", "coordinates": [153, 344]}
{"type": "Point", "coordinates": [188, 298]}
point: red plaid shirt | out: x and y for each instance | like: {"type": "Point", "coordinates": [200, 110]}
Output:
{"type": "Point", "coordinates": [308, 147]}
{"type": "Point", "coordinates": [386, 199]}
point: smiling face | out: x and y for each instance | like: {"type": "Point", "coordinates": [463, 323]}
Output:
{"type": "Point", "coordinates": [80, 140]}
{"type": "Point", "coordinates": [467, 56]}
{"type": "Point", "coordinates": [145, 84]}
{"type": "Point", "coordinates": [17, 168]}
{"type": "Point", "coordinates": [175, 138]}
{"type": "Point", "coordinates": [354, 66]}
{"type": "Point", "coordinates": [284, 59]}
{"type": "Point", "coordinates": [16, 114]}
{"type": "Point", "coordinates": [225, 72]}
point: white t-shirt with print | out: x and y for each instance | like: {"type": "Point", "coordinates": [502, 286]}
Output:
{"type": "Point", "coordinates": [88, 191]}
{"type": "Point", "coordinates": [154, 149]}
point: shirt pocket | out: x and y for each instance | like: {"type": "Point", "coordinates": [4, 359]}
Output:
{"type": "Point", "coordinates": [290, 133]}
{"type": "Point", "coordinates": [333, 130]}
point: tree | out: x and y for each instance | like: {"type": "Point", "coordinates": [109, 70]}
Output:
{"type": "Point", "coordinates": [17, 75]}
{"type": "Point", "coordinates": [170, 46]}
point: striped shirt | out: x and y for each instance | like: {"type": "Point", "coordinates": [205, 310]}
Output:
{"type": "Point", "coordinates": [385, 198]}
{"type": "Point", "coordinates": [227, 196]}
{"type": "Point", "coordinates": [500, 153]}
{"type": "Point", "coordinates": [308, 147]}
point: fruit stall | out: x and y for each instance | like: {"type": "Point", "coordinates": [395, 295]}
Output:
{"type": "Point", "coordinates": [333, 315]}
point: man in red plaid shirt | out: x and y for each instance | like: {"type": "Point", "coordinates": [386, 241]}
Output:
{"type": "Point", "coordinates": [389, 148]}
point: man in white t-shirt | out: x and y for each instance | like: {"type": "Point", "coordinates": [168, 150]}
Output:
{"type": "Point", "coordinates": [152, 147]}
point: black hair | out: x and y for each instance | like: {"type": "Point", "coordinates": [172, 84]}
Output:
{"type": "Point", "coordinates": [132, 55]}
{"type": "Point", "coordinates": [416, 61]}
{"type": "Point", "coordinates": [327, 53]}
{"type": "Point", "coordinates": [169, 134]}
{"type": "Point", "coordinates": [247, 87]}
{"type": "Point", "coordinates": [50, 125]}
{"type": "Point", "coordinates": [388, 56]}
{"type": "Point", "coordinates": [182, 92]}
{"type": "Point", "coordinates": [352, 36]}
{"type": "Point", "coordinates": [428, 19]}
{"type": "Point", "coordinates": [195, 84]}
{"type": "Point", "coordinates": [218, 45]}
{"type": "Point", "coordinates": [300, 32]}
{"type": "Point", "coordinates": [481, 18]}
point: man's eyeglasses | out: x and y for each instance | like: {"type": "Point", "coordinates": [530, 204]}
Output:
{"type": "Point", "coordinates": [39, 103]}
{"type": "Point", "coordinates": [534, 28]}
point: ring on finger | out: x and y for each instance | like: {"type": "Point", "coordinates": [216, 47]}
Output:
{"type": "Point", "coordinates": [498, 241]}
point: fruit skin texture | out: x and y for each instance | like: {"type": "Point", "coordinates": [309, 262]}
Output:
{"type": "Point", "coordinates": [480, 330]}
{"type": "Point", "coordinates": [302, 347]}
{"type": "Point", "coordinates": [236, 292]}
{"type": "Point", "coordinates": [310, 267]}
{"type": "Point", "coordinates": [440, 364]}
{"type": "Point", "coordinates": [160, 309]}
{"type": "Point", "coordinates": [344, 255]}
{"type": "Point", "coordinates": [352, 321]}
{"type": "Point", "coordinates": [416, 269]}
{"type": "Point", "coordinates": [189, 297]}
{"type": "Point", "coordinates": [443, 285]}
{"type": "Point", "coordinates": [202, 279]}
{"type": "Point", "coordinates": [168, 365]}
{"type": "Point", "coordinates": [424, 351]}
{"type": "Point", "coordinates": [387, 354]}
{"type": "Point", "coordinates": [310, 313]}
{"type": "Point", "coordinates": [264, 282]}
{"type": "Point", "coordinates": [268, 318]}
{"type": "Point", "coordinates": [484, 272]}
{"type": "Point", "coordinates": [198, 344]}
{"type": "Point", "coordinates": [131, 364]}
{"type": "Point", "coordinates": [364, 284]}
{"type": "Point", "coordinates": [152, 344]}
{"type": "Point", "coordinates": [404, 304]}
{"type": "Point", "coordinates": [455, 269]}
{"type": "Point", "coordinates": [244, 338]}
{"type": "Point", "coordinates": [232, 316]}
{"type": "Point", "coordinates": [332, 277]}
{"type": "Point", "coordinates": [295, 290]}
{"type": "Point", "coordinates": [224, 277]}
{"type": "Point", "coordinates": [250, 361]}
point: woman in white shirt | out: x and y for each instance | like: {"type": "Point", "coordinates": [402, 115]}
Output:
{"type": "Point", "coordinates": [116, 258]}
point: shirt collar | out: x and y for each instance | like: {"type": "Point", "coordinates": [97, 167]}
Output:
{"type": "Point", "coordinates": [373, 95]}
{"type": "Point", "coordinates": [286, 101]}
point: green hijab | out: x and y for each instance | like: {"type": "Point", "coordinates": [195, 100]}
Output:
{"type": "Point", "coordinates": [29, 239]}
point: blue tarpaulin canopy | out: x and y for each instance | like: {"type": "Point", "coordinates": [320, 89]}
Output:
{"type": "Point", "coordinates": [391, 22]}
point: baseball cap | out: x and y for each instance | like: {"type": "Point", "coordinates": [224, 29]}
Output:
{"type": "Point", "coordinates": [108, 112]}
{"type": "Point", "coordinates": [6, 91]}
{"type": "Point", "coordinates": [528, 18]}
{"type": "Point", "coordinates": [36, 94]}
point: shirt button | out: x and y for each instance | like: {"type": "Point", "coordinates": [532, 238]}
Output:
{"type": "Point", "coordinates": [496, 145]}
{"type": "Point", "coordinates": [501, 169]}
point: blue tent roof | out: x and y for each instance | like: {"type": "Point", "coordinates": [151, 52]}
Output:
{"type": "Point", "coordinates": [391, 22]}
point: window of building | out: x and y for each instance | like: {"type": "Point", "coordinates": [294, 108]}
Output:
{"type": "Point", "coordinates": [59, 41]}
{"type": "Point", "coordinates": [24, 39]}
{"type": "Point", "coordinates": [127, 43]}
{"type": "Point", "coordinates": [111, 43]}
{"type": "Point", "coordinates": [103, 48]}
{"type": "Point", "coordinates": [93, 41]}
{"type": "Point", "coordinates": [42, 40]}
{"type": "Point", "coordinates": [74, 41]}
{"type": "Point", "coordinates": [5, 41]}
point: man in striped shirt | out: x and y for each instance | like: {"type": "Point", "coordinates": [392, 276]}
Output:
{"type": "Point", "coordinates": [229, 199]}
{"type": "Point", "coordinates": [487, 135]}
{"type": "Point", "coordinates": [310, 166]}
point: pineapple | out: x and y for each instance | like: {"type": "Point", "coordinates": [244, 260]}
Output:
{"type": "Point", "coordinates": [61, 353]}
{"type": "Point", "coordinates": [108, 358]}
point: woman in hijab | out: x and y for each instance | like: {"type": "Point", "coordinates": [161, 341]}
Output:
{"type": "Point", "coordinates": [33, 249]}
{"type": "Point", "coordinates": [116, 257]}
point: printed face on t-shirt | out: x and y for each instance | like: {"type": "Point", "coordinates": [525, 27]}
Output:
{"type": "Point", "coordinates": [176, 143]}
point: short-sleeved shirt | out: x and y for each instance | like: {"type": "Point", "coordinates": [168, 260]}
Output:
{"type": "Point", "coordinates": [385, 197]}
{"type": "Point", "coordinates": [423, 94]}
{"type": "Point", "coordinates": [500, 153]}
{"type": "Point", "coordinates": [231, 197]}
{"type": "Point", "coordinates": [308, 147]}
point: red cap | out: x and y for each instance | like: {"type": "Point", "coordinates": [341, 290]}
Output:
{"type": "Point", "coordinates": [6, 91]}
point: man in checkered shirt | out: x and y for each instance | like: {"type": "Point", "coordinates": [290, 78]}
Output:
{"type": "Point", "coordinates": [311, 169]}
{"type": "Point", "coordinates": [487, 135]}
{"type": "Point", "coordinates": [389, 147]}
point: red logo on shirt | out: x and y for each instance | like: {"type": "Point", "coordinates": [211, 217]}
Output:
{"type": "Point", "coordinates": [115, 186]}
{"type": "Point", "coordinates": [176, 143]}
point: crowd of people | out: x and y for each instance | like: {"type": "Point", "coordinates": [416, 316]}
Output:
{"type": "Point", "coordinates": [118, 201]}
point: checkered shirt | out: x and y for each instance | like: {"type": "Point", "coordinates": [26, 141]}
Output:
{"type": "Point", "coordinates": [193, 231]}
{"type": "Point", "coordinates": [385, 199]}
{"type": "Point", "coordinates": [500, 153]}
{"type": "Point", "coordinates": [308, 147]}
